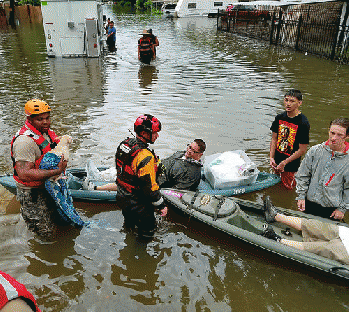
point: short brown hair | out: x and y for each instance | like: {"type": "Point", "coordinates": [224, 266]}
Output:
{"type": "Point", "coordinates": [341, 121]}
{"type": "Point", "coordinates": [201, 144]}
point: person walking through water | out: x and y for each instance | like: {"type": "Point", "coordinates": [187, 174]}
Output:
{"type": "Point", "coordinates": [28, 147]}
{"type": "Point", "coordinates": [137, 166]}
{"type": "Point", "coordinates": [145, 48]}
{"type": "Point", "coordinates": [154, 41]}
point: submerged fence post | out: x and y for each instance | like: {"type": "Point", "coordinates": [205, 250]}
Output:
{"type": "Point", "coordinates": [228, 22]}
{"type": "Point", "coordinates": [12, 13]}
{"type": "Point", "coordinates": [218, 20]}
{"type": "Point", "coordinates": [343, 22]}
{"type": "Point", "coordinates": [335, 40]}
{"type": "Point", "coordinates": [298, 32]}
{"type": "Point", "coordinates": [278, 29]}
{"type": "Point", "coordinates": [272, 28]}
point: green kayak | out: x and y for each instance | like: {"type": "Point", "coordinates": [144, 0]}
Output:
{"type": "Point", "coordinates": [244, 219]}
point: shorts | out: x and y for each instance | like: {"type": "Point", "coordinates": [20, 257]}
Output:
{"type": "Point", "coordinates": [318, 210]}
{"type": "Point", "coordinates": [323, 239]}
{"type": "Point", "coordinates": [38, 210]}
{"type": "Point", "coordinates": [288, 180]}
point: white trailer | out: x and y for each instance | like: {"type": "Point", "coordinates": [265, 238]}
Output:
{"type": "Point", "coordinates": [200, 7]}
{"type": "Point", "coordinates": [73, 28]}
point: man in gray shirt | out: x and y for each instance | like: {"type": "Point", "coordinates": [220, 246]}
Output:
{"type": "Point", "coordinates": [323, 177]}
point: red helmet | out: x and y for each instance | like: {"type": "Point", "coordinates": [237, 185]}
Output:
{"type": "Point", "coordinates": [147, 123]}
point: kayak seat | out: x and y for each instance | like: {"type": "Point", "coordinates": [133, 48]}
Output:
{"type": "Point", "coordinates": [241, 220]}
{"type": "Point", "coordinates": [209, 204]}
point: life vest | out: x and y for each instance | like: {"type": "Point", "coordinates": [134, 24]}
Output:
{"type": "Point", "coordinates": [11, 289]}
{"type": "Point", "coordinates": [125, 154]}
{"type": "Point", "coordinates": [42, 143]}
{"type": "Point", "coordinates": [145, 46]}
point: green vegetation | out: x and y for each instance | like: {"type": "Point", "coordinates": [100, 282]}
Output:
{"type": "Point", "coordinates": [123, 7]}
{"type": "Point", "coordinates": [135, 6]}
{"type": "Point", "coordinates": [30, 2]}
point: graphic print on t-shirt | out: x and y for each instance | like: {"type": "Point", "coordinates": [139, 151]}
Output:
{"type": "Point", "coordinates": [286, 137]}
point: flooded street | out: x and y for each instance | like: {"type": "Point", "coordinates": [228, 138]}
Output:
{"type": "Point", "coordinates": [222, 88]}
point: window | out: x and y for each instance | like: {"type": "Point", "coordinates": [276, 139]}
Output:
{"type": "Point", "coordinates": [170, 6]}
{"type": "Point", "coordinates": [217, 4]}
{"type": "Point", "coordinates": [192, 5]}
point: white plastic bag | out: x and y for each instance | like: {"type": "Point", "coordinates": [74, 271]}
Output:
{"type": "Point", "coordinates": [94, 174]}
{"type": "Point", "coordinates": [230, 169]}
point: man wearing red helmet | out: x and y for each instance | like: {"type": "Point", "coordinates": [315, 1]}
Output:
{"type": "Point", "coordinates": [28, 147]}
{"type": "Point", "coordinates": [137, 169]}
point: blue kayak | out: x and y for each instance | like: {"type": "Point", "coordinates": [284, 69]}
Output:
{"type": "Point", "coordinates": [77, 175]}
{"type": "Point", "coordinates": [264, 180]}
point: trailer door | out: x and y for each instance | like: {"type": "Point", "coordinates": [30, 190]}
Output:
{"type": "Point", "coordinates": [73, 40]}
{"type": "Point", "coordinates": [92, 37]}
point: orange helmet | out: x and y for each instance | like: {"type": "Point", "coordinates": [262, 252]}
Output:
{"type": "Point", "coordinates": [36, 107]}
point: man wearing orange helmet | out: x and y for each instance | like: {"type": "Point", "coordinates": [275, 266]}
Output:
{"type": "Point", "coordinates": [137, 169]}
{"type": "Point", "coordinates": [28, 147]}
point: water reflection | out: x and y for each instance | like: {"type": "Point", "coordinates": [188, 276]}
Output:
{"type": "Point", "coordinates": [224, 89]}
{"type": "Point", "coordinates": [146, 75]}
{"type": "Point", "coordinates": [136, 269]}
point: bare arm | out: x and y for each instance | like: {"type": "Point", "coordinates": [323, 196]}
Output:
{"type": "Point", "coordinates": [27, 172]}
{"type": "Point", "coordinates": [107, 187]}
{"type": "Point", "coordinates": [17, 305]}
{"type": "Point", "coordinates": [272, 150]}
{"type": "Point", "coordinates": [301, 151]}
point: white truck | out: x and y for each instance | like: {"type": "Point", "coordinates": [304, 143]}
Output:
{"type": "Point", "coordinates": [73, 28]}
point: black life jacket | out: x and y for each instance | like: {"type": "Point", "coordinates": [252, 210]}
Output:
{"type": "Point", "coordinates": [145, 46]}
{"type": "Point", "coordinates": [125, 154]}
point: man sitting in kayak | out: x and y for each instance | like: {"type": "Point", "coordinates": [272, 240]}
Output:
{"type": "Point", "coordinates": [182, 170]}
{"type": "Point", "coordinates": [328, 240]}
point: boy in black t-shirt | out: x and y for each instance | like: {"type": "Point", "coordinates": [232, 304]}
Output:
{"type": "Point", "coordinates": [290, 139]}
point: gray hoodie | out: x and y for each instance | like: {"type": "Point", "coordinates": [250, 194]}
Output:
{"type": "Point", "coordinates": [323, 177]}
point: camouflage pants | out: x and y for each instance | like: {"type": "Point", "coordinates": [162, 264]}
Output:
{"type": "Point", "coordinates": [38, 209]}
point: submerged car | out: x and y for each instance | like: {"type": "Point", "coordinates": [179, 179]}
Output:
{"type": "Point", "coordinates": [168, 9]}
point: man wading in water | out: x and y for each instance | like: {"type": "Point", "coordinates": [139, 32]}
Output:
{"type": "Point", "coordinates": [28, 147]}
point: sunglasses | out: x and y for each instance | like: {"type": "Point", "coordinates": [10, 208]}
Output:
{"type": "Point", "coordinates": [194, 151]}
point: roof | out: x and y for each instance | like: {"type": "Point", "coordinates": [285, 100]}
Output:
{"type": "Point", "coordinates": [281, 3]}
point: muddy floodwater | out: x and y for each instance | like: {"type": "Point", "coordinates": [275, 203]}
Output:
{"type": "Point", "coordinates": [204, 84]}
